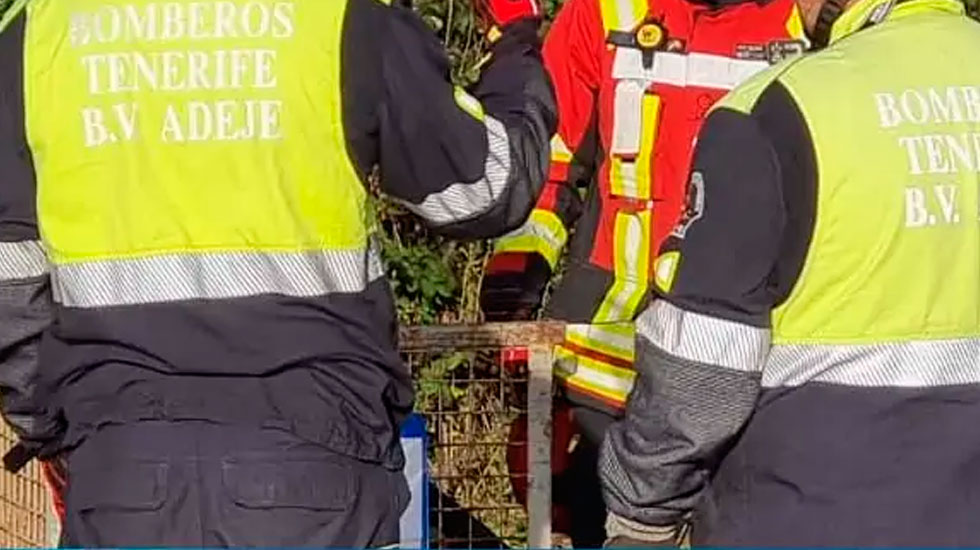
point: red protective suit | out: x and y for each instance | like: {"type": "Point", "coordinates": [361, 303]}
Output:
{"type": "Point", "coordinates": [634, 82]}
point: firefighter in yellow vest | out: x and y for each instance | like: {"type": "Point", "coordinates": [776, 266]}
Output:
{"type": "Point", "coordinates": [811, 376]}
{"type": "Point", "coordinates": [192, 304]}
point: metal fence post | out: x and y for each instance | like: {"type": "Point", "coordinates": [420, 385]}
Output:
{"type": "Point", "coordinates": [539, 446]}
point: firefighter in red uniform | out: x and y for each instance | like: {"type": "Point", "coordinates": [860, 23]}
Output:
{"type": "Point", "coordinates": [634, 81]}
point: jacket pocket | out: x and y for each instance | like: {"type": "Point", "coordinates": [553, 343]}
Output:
{"type": "Point", "coordinates": [325, 484]}
{"type": "Point", "coordinates": [135, 486]}
{"type": "Point", "coordinates": [118, 504]}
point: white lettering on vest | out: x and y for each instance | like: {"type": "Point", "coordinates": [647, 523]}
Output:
{"type": "Point", "coordinates": [946, 195]}
{"type": "Point", "coordinates": [284, 13]}
{"type": "Point", "coordinates": [888, 110]}
{"type": "Point", "coordinates": [96, 133]}
{"type": "Point", "coordinates": [915, 107]}
{"type": "Point", "coordinates": [912, 145]}
{"type": "Point", "coordinates": [947, 106]}
{"type": "Point", "coordinates": [145, 70]}
{"type": "Point", "coordinates": [141, 25]}
{"type": "Point", "coordinates": [256, 19]}
{"type": "Point", "coordinates": [938, 162]}
{"type": "Point", "coordinates": [916, 214]}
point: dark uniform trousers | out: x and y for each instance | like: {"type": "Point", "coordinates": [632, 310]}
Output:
{"type": "Point", "coordinates": [204, 484]}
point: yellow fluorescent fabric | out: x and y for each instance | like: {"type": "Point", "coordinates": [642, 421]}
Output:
{"type": "Point", "coordinates": [895, 254]}
{"type": "Point", "coordinates": [607, 381]}
{"type": "Point", "coordinates": [622, 15]}
{"type": "Point", "coordinates": [612, 339]}
{"type": "Point", "coordinates": [644, 162]}
{"type": "Point", "coordinates": [542, 233]}
{"type": "Point", "coordinates": [632, 267]}
{"type": "Point", "coordinates": [186, 127]}
{"type": "Point", "coordinates": [559, 150]}
{"type": "Point", "coordinates": [794, 25]}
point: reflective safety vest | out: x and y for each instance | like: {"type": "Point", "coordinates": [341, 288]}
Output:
{"type": "Point", "coordinates": [870, 373]}
{"type": "Point", "coordinates": [901, 182]}
{"type": "Point", "coordinates": [662, 65]}
{"type": "Point", "coordinates": [165, 172]}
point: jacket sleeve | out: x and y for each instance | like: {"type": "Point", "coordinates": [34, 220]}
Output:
{"type": "Point", "coordinates": [25, 292]}
{"type": "Point", "coordinates": [701, 348]}
{"type": "Point", "coordinates": [471, 164]}
{"type": "Point", "coordinates": [572, 56]}
{"type": "Point", "coordinates": [523, 260]}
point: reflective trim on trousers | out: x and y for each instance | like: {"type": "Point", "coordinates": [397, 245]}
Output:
{"type": "Point", "coordinates": [217, 275]}
{"type": "Point", "coordinates": [911, 364]}
{"type": "Point", "coordinates": [462, 201]}
{"type": "Point", "coordinates": [703, 339]}
{"type": "Point", "coordinates": [22, 260]}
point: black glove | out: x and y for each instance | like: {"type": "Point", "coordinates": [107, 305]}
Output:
{"type": "Point", "coordinates": [18, 456]}
{"type": "Point", "coordinates": [513, 286]}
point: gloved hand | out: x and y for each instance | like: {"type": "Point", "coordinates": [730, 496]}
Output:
{"type": "Point", "coordinates": [513, 286]}
{"type": "Point", "coordinates": [504, 12]}
{"type": "Point", "coordinates": [625, 533]}
{"type": "Point", "coordinates": [627, 542]}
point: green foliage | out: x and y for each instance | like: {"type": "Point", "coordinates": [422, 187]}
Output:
{"type": "Point", "coordinates": [434, 389]}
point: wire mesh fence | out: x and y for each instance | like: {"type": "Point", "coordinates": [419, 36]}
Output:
{"type": "Point", "coordinates": [470, 404]}
{"type": "Point", "coordinates": [489, 432]}
{"type": "Point", "coordinates": [25, 506]}
{"type": "Point", "coordinates": [488, 441]}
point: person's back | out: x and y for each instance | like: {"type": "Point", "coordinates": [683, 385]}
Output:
{"type": "Point", "coordinates": [811, 375]}
{"type": "Point", "coordinates": [864, 432]}
{"type": "Point", "coordinates": [224, 357]}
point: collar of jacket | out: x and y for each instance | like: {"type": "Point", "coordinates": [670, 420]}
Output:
{"type": "Point", "coordinates": [857, 14]}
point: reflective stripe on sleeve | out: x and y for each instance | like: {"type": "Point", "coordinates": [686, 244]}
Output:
{"type": "Point", "coordinates": [462, 201]}
{"type": "Point", "coordinates": [607, 382]}
{"type": "Point", "coordinates": [191, 276]}
{"type": "Point", "coordinates": [560, 152]}
{"type": "Point", "coordinates": [612, 339]}
{"type": "Point", "coordinates": [703, 339]}
{"type": "Point", "coordinates": [22, 260]}
{"type": "Point", "coordinates": [912, 364]}
{"type": "Point", "coordinates": [543, 233]}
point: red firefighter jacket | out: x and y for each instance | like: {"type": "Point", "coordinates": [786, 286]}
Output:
{"type": "Point", "coordinates": [634, 81]}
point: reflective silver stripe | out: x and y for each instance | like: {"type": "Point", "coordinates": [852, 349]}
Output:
{"type": "Point", "coordinates": [214, 276]}
{"type": "Point", "coordinates": [22, 260]}
{"type": "Point", "coordinates": [695, 69]}
{"type": "Point", "coordinates": [704, 339]}
{"type": "Point", "coordinates": [916, 364]}
{"type": "Point", "coordinates": [461, 201]}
